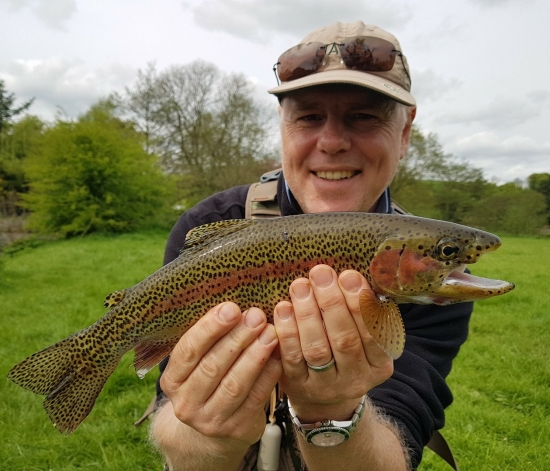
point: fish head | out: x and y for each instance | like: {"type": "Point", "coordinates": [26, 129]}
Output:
{"type": "Point", "coordinates": [423, 261]}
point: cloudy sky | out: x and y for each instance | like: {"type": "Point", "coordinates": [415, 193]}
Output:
{"type": "Point", "coordinates": [480, 69]}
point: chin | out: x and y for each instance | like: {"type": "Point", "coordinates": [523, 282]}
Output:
{"type": "Point", "coordinates": [332, 206]}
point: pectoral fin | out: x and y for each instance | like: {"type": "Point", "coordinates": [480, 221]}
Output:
{"type": "Point", "coordinates": [383, 321]}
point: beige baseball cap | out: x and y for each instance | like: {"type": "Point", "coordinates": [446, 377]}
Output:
{"type": "Point", "coordinates": [394, 83]}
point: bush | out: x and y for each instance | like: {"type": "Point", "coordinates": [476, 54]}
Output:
{"type": "Point", "coordinates": [93, 175]}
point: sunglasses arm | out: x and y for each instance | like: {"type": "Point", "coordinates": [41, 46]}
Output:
{"type": "Point", "coordinates": [275, 72]}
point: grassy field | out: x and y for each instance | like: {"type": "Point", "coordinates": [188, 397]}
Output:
{"type": "Point", "coordinates": [501, 379]}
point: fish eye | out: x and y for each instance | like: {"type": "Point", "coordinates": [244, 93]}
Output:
{"type": "Point", "coordinates": [447, 248]}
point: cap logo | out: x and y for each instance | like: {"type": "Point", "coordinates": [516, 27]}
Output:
{"type": "Point", "coordinates": [392, 88]}
{"type": "Point", "coordinates": [333, 49]}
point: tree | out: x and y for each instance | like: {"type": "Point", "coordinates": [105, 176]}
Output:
{"type": "Point", "coordinates": [7, 111]}
{"type": "Point", "coordinates": [93, 175]}
{"type": "Point", "coordinates": [540, 182]}
{"type": "Point", "coordinates": [13, 145]}
{"type": "Point", "coordinates": [143, 105]}
{"type": "Point", "coordinates": [204, 125]}
{"type": "Point", "coordinates": [17, 140]}
{"type": "Point", "coordinates": [434, 183]}
{"type": "Point", "coordinates": [509, 209]}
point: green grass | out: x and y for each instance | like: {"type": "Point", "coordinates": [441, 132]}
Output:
{"type": "Point", "coordinates": [48, 293]}
{"type": "Point", "coordinates": [501, 379]}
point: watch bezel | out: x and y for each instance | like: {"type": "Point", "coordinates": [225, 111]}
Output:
{"type": "Point", "coordinates": [313, 435]}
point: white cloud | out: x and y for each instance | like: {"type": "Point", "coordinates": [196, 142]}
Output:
{"type": "Point", "coordinates": [427, 85]}
{"type": "Point", "coordinates": [260, 19]}
{"type": "Point", "coordinates": [501, 111]}
{"type": "Point", "coordinates": [504, 159]}
{"type": "Point", "coordinates": [54, 13]}
{"type": "Point", "coordinates": [448, 28]}
{"type": "Point", "coordinates": [490, 144]}
{"type": "Point", "coordinates": [63, 84]}
{"type": "Point", "coordinates": [491, 3]}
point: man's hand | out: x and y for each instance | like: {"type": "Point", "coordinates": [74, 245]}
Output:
{"type": "Point", "coordinates": [221, 374]}
{"type": "Point", "coordinates": [324, 321]}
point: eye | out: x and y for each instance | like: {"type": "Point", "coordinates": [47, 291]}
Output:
{"type": "Point", "coordinates": [360, 117]}
{"type": "Point", "coordinates": [310, 117]}
{"type": "Point", "coordinates": [447, 248]}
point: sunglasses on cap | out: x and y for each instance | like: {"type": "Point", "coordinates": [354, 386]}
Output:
{"type": "Point", "coordinates": [362, 53]}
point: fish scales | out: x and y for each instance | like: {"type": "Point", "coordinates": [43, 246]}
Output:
{"type": "Point", "coordinates": [253, 263]}
{"type": "Point", "coordinates": [263, 257]}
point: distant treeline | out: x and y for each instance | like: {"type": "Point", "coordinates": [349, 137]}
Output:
{"type": "Point", "coordinates": [434, 184]}
{"type": "Point", "coordinates": [140, 158]}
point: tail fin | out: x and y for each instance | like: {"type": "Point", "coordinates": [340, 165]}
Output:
{"type": "Point", "coordinates": [70, 381]}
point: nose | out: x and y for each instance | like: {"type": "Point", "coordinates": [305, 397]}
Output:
{"type": "Point", "coordinates": [333, 137]}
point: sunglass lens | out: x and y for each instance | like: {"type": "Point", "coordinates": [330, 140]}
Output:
{"type": "Point", "coordinates": [368, 54]}
{"type": "Point", "coordinates": [300, 61]}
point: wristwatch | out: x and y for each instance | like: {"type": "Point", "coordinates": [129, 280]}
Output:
{"type": "Point", "coordinates": [328, 432]}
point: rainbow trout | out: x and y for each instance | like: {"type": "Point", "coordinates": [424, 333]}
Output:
{"type": "Point", "coordinates": [253, 262]}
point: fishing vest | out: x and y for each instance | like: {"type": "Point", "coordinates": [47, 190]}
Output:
{"type": "Point", "coordinates": [261, 202]}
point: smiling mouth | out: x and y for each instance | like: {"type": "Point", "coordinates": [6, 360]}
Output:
{"type": "Point", "coordinates": [339, 175]}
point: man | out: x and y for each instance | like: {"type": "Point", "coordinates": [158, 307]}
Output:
{"type": "Point", "coordinates": [346, 116]}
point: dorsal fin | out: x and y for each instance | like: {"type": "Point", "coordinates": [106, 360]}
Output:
{"type": "Point", "coordinates": [207, 233]}
{"type": "Point", "coordinates": [111, 300]}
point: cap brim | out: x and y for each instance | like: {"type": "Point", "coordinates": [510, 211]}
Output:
{"type": "Point", "coordinates": [352, 77]}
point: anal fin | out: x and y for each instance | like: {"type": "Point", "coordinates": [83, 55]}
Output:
{"type": "Point", "coordinates": [383, 321]}
{"type": "Point", "coordinates": [151, 353]}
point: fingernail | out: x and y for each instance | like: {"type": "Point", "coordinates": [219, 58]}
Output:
{"type": "Point", "coordinates": [284, 311]}
{"type": "Point", "coordinates": [301, 289]}
{"type": "Point", "coordinates": [253, 318]}
{"type": "Point", "coordinates": [228, 313]}
{"type": "Point", "coordinates": [322, 276]}
{"type": "Point", "coordinates": [268, 335]}
{"type": "Point", "coordinates": [351, 282]}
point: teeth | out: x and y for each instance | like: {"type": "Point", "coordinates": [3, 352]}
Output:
{"type": "Point", "coordinates": [335, 175]}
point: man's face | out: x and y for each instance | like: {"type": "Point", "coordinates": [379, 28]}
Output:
{"type": "Point", "coordinates": [341, 146]}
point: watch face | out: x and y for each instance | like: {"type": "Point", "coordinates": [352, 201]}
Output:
{"type": "Point", "coordinates": [328, 436]}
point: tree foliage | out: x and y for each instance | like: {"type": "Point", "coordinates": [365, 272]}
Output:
{"type": "Point", "coordinates": [94, 175]}
{"type": "Point", "coordinates": [509, 209]}
{"type": "Point", "coordinates": [15, 140]}
{"type": "Point", "coordinates": [434, 182]}
{"type": "Point", "coordinates": [191, 127]}
{"type": "Point", "coordinates": [7, 108]}
{"type": "Point", "coordinates": [205, 126]}
{"type": "Point", "coordinates": [540, 182]}
{"type": "Point", "coordinates": [18, 140]}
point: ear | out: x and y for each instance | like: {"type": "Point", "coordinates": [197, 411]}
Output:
{"type": "Point", "coordinates": [407, 128]}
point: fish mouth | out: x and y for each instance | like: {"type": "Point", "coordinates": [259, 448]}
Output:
{"type": "Point", "coordinates": [336, 175]}
{"type": "Point", "coordinates": [459, 286]}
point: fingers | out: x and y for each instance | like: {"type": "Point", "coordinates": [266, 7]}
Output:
{"type": "Point", "coordinates": [324, 321]}
{"type": "Point", "coordinates": [196, 342]}
{"type": "Point", "coordinates": [322, 326]}
{"type": "Point", "coordinates": [344, 338]}
{"type": "Point", "coordinates": [222, 371]}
